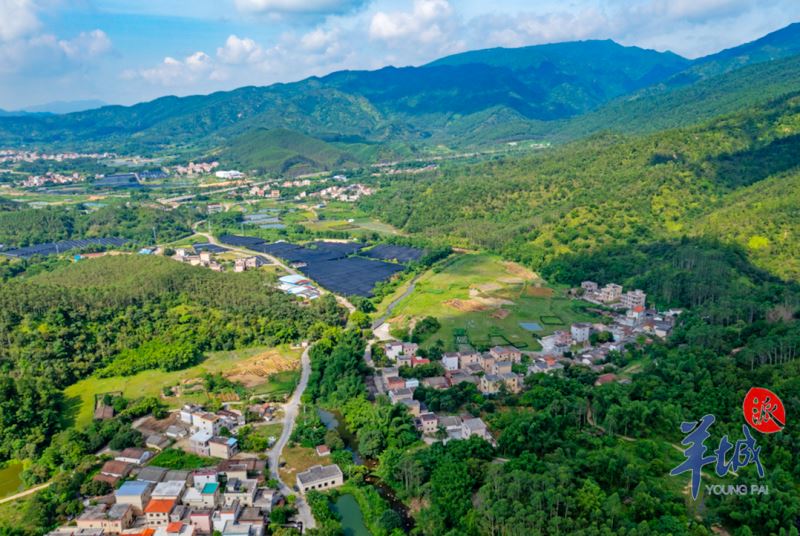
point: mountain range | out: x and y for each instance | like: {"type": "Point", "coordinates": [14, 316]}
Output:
{"type": "Point", "coordinates": [557, 92]}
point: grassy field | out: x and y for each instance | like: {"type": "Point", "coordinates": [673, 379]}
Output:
{"type": "Point", "coordinates": [152, 382]}
{"type": "Point", "coordinates": [488, 298]}
{"type": "Point", "coordinates": [12, 514]}
{"type": "Point", "coordinates": [298, 459]}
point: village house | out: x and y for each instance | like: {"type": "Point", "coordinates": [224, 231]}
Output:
{"type": "Point", "coordinates": [241, 491]}
{"type": "Point", "coordinates": [610, 293]}
{"type": "Point", "coordinates": [400, 394]}
{"type": "Point", "coordinates": [459, 376]}
{"type": "Point", "coordinates": [428, 423]}
{"type": "Point", "coordinates": [466, 359]}
{"type": "Point", "coordinates": [418, 361]}
{"type": "Point", "coordinates": [413, 406]}
{"type": "Point", "coordinates": [320, 477]}
{"type": "Point", "coordinates": [450, 361]}
{"type": "Point", "coordinates": [395, 382]}
{"type": "Point", "coordinates": [151, 473]}
{"type": "Point", "coordinates": [396, 349]}
{"type": "Point", "coordinates": [205, 496]}
{"type": "Point", "coordinates": [322, 450]}
{"type": "Point", "coordinates": [436, 382]}
{"type": "Point", "coordinates": [135, 493]}
{"type": "Point", "coordinates": [506, 353]}
{"type": "Point", "coordinates": [111, 520]}
{"type": "Point", "coordinates": [176, 528]}
{"type": "Point", "coordinates": [580, 332]}
{"type": "Point", "coordinates": [225, 514]}
{"type": "Point", "coordinates": [589, 286]}
{"type": "Point", "coordinates": [633, 298]}
{"type": "Point", "coordinates": [157, 512]}
{"type": "Point", "coordinates": [200, 519]}
{"type": "Point", "coordinates": [490, 383]}
{"type": "Point", "coordinates": [501, 367]}
{"type": "Point", "coordinates": [223, 447]}
{"type": "Point", "coordinates": [116, 468]}
{"type": "Point", "coordinates": [169, 489]}
{"type": "Point", "coordinates": [473, 427]}
{"type": "Point", "coordinates": [412, 383]}
{"type": "Point", "coordinates": [545, 365]}
{"type": "Point", "coordinates": [134, 455]}
{"type": "Point", "coordinates": [199, 443]}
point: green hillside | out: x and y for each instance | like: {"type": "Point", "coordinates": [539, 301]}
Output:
{"type": "Point", "coordinates": [284, 151]}
{"type": "Point", "coordinates": [663, 107]}
{"type": "Point", "coordinates": [610, 190]}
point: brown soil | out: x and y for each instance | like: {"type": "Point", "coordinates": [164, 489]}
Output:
{"type": "Point", "coordinates": [519, 271]}
{"type": "Point", "coordinates": [466, 306]}
{"type": "Point", "coordinates": [539, 292]}
{"type": "Point", "coordinates": [500, 314]}
{"type": "Point", "coordinates": [257, 369]}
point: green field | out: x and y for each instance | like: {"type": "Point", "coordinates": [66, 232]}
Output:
{"type": "Point", "coordinates": [152, 382]}
{"type": "Point", "coordinates": [488, 298]}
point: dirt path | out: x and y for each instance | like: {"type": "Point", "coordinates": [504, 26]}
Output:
{"type": "Point", "coordinates": [290, 411]}
{"type": "Point", "coordinates": [25, 493]}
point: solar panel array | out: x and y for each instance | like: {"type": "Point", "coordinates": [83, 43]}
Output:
{"type": "Point", "coordinates": [351, 276]}
{"type": "Point", "coordinates": [390, 252]}
{"type": "Point", "coordinates": [212, 248]}
{"type": "Point", "coordinates": [241, 241]}
{"type": "Point", "coordinates": [312, 253]}
{"type": "Point", "coordinates": [51, 248]}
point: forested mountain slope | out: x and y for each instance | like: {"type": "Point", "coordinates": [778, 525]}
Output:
{"type": "Point", "coordinates": [610, 190]}
{"type": "Point", "coordinates": [510, 93]}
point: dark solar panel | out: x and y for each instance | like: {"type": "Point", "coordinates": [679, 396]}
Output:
{"type": "Point", "coordinates": [51, 248]}
{"type": "Point", "coordinates": [241, 241]}
{"type": "Point", "coordinates": [213, 248]}
{"type": "Point", "coordinates": [351, 276]}
{"type": "Point", "coordinates": [390, 252]}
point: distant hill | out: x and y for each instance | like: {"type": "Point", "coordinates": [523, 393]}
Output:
{"type": "Point", "coordinates": [407, 105]}
{"type": "Point", "coordinates": [556, 91]}
{"type": "Point", "coordinates": [661, 107]}
{"type": "Point", "coordinates": [284, 151]}
{"type": "Point", "coordinates": [773, 46]}
{"type": "Point", "coordinates": [735, 177]}
{"type": "Point", "coordinates": [65, 107]}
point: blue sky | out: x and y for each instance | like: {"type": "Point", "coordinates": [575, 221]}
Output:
{"type": "Point", "coordinates": [127, 51]}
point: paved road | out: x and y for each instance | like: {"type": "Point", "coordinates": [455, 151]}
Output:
{"type": "Point", "coordinates": [290, 411]}
{"type": "Point", "coordinates": [24, 493]}
{"type": "Point", "coordinates": [390, 309]}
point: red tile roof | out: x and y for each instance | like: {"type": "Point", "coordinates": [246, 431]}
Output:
{"type": "Point", "coordinates": [159, 506]}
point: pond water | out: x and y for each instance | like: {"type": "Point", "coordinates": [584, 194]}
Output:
{"type": "Point", "coordinates": [10, 481]}
{"type": "Point", "coordinates": [334, 421]}
{"type": "Point", "coordinates": [352, 518]}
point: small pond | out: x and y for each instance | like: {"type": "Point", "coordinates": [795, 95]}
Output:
{"type": "Point", "coordinates": [352, 518]}
{"type": "Point", "coordinates": [10, 481]}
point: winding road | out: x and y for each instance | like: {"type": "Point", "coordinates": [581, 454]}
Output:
{"type": "Point", "coordinates": [290, 412]}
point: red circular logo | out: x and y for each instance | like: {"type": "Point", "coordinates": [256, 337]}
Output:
{"type": "Point", "coordinates": [764, 411]}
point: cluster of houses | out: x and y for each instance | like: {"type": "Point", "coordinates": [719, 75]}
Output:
{"type": "Point", "coordinates": [229, 499]}
{"type": "Point", "coordinates": [298, 285]}
{"type": "Point", "coordinates": [12, 155]}
{"type": "Point", "coordinates": [349, 193]}
{"type": "Point", "coordinates": [490, 371]}
{"type": "Point", "coordinates": [199, 168]}
{"type": "Point", "coordinates": [208, 260]}
{"type": "Point", "coordinates": [628, 319]}
{"type": "Point", "coordinates": [206, 430]}
{"type": "Point", "coordinates": [50, 178]}
{"type": "Point", "coordinates": [265, 191]}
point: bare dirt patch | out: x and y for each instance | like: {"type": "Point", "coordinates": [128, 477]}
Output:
{"type": "Point", "coordinates": [257, 369]}
{"type": "Point", "coordinates": [500, 314]}
{"type": "Point", "coordinates": [519, 271]}
{"type": "Point", "coordinates": [467, 306]}
{"type": "Point", "coordinates": [539, 292]}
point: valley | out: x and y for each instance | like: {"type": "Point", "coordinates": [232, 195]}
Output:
{"type": "Point", "coordinates": [508, 275]}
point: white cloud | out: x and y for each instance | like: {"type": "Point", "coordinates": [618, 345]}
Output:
{"type": "Point", "coordinates": [298, 6]}
{"type": "Point", "coordinates": [86, 45]}
{"type": "Point", "coordinates": [425, 23]}
{"type": "Point", "coordinates": [240, 50]}
{"type": "Point", "coordinates": [17, 19]}
{"type": "Point", "coordinates": [173, 72]}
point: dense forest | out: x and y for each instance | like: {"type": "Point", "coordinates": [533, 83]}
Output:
{"type": "Point", "coordinates": [572, 457]}
{"type": "Point", "coordinates": [608, 190]}
{"type": "Point", "coordinates": [119, 315]}
{"type": "Point", "coordinates": [24, 227]}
